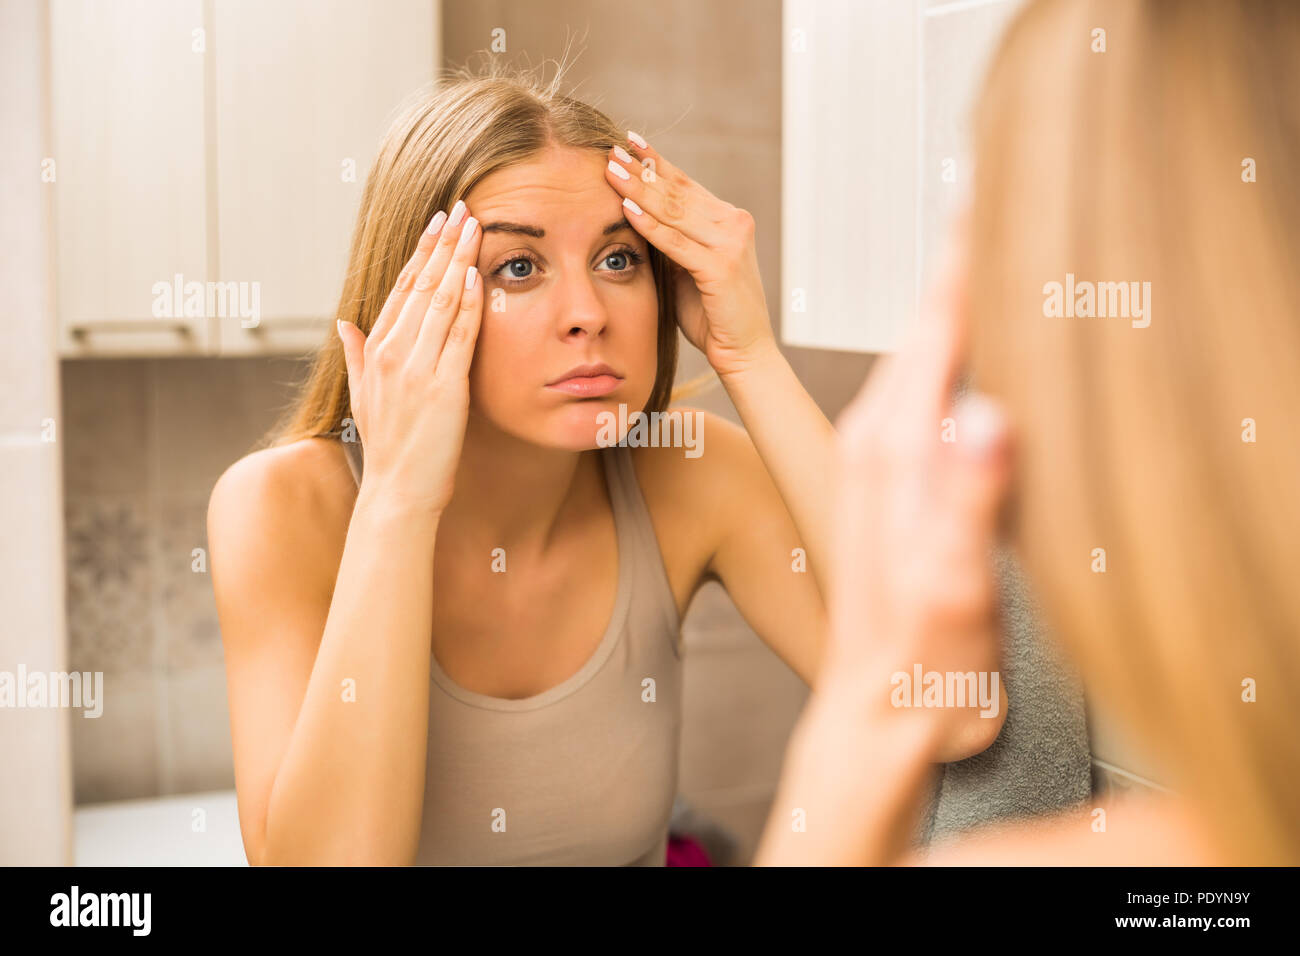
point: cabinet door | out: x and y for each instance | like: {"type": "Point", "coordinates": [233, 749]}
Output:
{"type": "Point", "coordinates": [849, 172]}
{"type": "Point", "coordinates": [876, 157]}
{"type": "Point", "coordinates": [128, 171]}
{"type": "Point", "coordinates": [304, 92]}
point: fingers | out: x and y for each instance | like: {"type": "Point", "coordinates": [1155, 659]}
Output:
{"type": "Point", "coordinates": [406, 278]}
{"type": "Point", "coordinates": [673, 243]}
{"type": "Point", "coordinates": [936, 352]}
{"type": "Point", "coordinates": [978, 469]}
{"type": "Point", "coordinates": [458, 349]}
{"type": "Point", "coordinates": [445, 302]}
{"type": "Point", "coordinates": [354, 346]}
{"type": "Point", "coordinates": [407, 326]}
{"type": "Point", "coordinates": [659, 169]}
{"type": "Point", "coordinates": [671, 199]}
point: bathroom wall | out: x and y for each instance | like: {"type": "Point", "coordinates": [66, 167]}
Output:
{"type": "Point", "coordinates": [144, 440]}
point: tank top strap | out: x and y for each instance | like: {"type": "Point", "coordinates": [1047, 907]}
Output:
{"type": "Point", "coordinates": [632, 518]}
{"type": "Point", "coordinates": [352, 452]}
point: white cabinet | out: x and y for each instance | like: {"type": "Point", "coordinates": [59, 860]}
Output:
{"type": "Point", "coordinates": [303, 95]}
{"type": "Point", "coordinates": [128, 169]}
{"type": "Point", "coordinates": [875, 157]}
{"type": "Point", "coordinates": [210, 157]}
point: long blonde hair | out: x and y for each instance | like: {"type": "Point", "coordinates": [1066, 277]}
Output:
{"type": "Point", "coordinates": [1169, 158]}
{"type": "Point", "coordinates": [435, 152]}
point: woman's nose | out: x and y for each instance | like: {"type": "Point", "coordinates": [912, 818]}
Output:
{"type": "Point", "coordinates": [579, 308]}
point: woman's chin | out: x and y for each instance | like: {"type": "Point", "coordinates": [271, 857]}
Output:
{"type": "Point", "coordinates": [580, 426]}
{"type": "Point", "coordinates": [573, 426]}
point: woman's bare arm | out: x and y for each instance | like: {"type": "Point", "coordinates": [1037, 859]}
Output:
{"type": "Point", "coordinates": [328, 691]}
{"type": "Point", "coordinates": [330, 717]}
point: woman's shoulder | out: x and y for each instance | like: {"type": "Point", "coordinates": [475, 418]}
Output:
{"type": "Point", "coordinates": [294, 495]}
{"type": "Point", "coordinates": [697, 458]}
{"type": "Point", "coordinates": [281, 474]}
{"type": "Point", "coordinates": [697, 489]}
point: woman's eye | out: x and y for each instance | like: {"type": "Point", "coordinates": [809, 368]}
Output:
{"type": "Point", "coordinates": [518, 268]}
{"type": "Point", "coordinates": [623, 260]}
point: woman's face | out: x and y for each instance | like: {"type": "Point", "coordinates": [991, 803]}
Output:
{"type": "Point", "coordinates": [567, 289]}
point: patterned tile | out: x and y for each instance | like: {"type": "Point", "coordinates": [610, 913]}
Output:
{"type": "Point", "coordinates": [187, 616]}
{"type": "Point", "coordinates": [110, 622]}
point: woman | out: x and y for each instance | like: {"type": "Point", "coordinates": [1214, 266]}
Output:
{"type": "Point", "coordinates": [1168, 159]}
{"type": "Point", "coordinates": [462, 645]}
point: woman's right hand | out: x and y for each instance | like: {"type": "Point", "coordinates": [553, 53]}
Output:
{"type": "Point", "coordinates": [409, 378]}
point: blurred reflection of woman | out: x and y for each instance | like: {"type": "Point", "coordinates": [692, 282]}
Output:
{"type": "Point", "coordinates": [1173, 446]}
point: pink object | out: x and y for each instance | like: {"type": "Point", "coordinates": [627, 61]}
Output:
{"type": "Point", "coordinates": [686, 851]}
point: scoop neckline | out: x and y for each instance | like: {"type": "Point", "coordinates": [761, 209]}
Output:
{"type": "Point", "coordinates": [608, 641]}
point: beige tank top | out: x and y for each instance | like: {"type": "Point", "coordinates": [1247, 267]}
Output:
{"type": "Point", "coordinates": [583, 773]}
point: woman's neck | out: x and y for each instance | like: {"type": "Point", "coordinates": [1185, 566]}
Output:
{"type": "Point", "coordinates": [511, 493]}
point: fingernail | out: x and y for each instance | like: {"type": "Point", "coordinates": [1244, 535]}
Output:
{"type": "Point", "coordinates": [468, 233]}
{"type": "Point", "coordinates": [457, 213]}
{"type": "Point", "coordinates": [982, 425]}
{"type": "Point", "coordinates": [470, 275]}
{"type": "Point", "coordinates": [436, 222]}
{"type": "Point", "coordinates": [637, 140]}
{"type": "Point", "coordinates": [622, 154]}
{"type": "Point", "coordinates": [629, 204]}
{"type": "Point", "coordinates": [618, 170]}
{"type": "Point", "coordinates": [338, 326]}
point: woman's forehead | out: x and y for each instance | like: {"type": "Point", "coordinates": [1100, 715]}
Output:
{"type": "Point", "coordinates": [560, 184]}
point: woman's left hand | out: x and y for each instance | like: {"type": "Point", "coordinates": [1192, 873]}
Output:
{"type": "Point", "coordinates": [720, 303]}
{"type": "Point", "coordinates": [922, 484]}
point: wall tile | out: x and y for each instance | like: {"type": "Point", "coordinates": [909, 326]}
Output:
{"type": "Point", "coordinates": [197, 752]}
{"type": "Point", "coordinates": [692, 65]}
{"type": "Point", "coordinates": [106, 426]}
{"type": "Point", "coordinates": [740, 706]}
{"type": "Point", "coordinates": [199, 429]}
{"type": "Point", "coordinates": [712, 622]}
{"type": "Point", "coordinates": [110, 614]}
{"type": "Point", "coordinates": [115, 756]}
{"type": "Point", "coordinates": [188, 628]}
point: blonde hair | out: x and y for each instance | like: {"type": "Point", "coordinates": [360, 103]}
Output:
{"type": "Point", "coordinates": [434, 153]}
{"type": "Point", "coordinates": [1133, 165]}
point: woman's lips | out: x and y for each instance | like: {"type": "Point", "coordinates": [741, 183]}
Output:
{"type": "Point", "coordinates": [587, 386]}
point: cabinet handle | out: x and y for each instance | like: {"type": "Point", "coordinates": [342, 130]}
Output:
{"type": "Point", "coordinates": [84, 329]}
{"type": "Point", "coordinates": [286, 323]}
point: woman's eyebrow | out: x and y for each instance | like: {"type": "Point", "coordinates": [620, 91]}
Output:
{"type": "Point", "coordinates": [514, 227]}
{"type": "Point", "coordinates": [537, 233]}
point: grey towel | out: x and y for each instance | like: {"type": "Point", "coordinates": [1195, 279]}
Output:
{"type": "Point", "coordinates": [1040, 761]}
